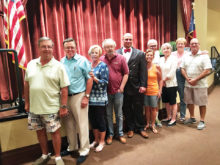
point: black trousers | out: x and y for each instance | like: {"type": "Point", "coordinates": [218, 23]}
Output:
{"type": "Point", "coordinates": [133, 112]}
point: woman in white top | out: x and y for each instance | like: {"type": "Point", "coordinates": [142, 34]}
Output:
{"type": "Point", "coordinates": [168, 65]}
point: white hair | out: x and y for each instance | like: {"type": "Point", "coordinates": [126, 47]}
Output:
{"type": "Point", "coordinates": [166, 45]}
{"type": "Point", "coordinates": [127, 34]}
{"type": "Point", "coordinates": [152, 41]}
{"type": "Point", "coordinates": [108, 40]}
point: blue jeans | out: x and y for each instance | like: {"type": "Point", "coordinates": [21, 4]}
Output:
{"type": "Point", "coordinates": [115, 101]}
{"type": "Point", "coordinates": [181, 85]}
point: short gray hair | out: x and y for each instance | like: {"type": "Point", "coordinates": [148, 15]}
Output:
{"type": "Point", "coordinates": [44, 39]}
{"type": "Point", "coordinates": [166, 45]}
{"type": "Point", "coordinates": [93, 47]}
{"type": "Point", "coordinates": [152, 41]}
{"type": "Point", "coordinates": [107, 41]}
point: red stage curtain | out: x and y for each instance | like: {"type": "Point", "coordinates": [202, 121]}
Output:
{"type": "Point", "coordinates": [91, 21]}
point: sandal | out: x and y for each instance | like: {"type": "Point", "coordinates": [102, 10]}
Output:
{"type": "Point", "coordinates": [154, 130]}
{"type": "Point", "coordinates": [93, 145]}
{"type": "Point", "coordinates": [99, 147]}
{"type": "Point", "coordinates": [146, 127]}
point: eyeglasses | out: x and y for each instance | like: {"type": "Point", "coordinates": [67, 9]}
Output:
{"type": "Point", "coordinates": [153, 46]}
{"type": "Point", "coordinates": [70, 48]}
{"type": "Point", "coordinates": [127, 39]}
{"type": "Point", "coordinates": [46, 47]}
{"type": "Point", "coordinates": [194, 43]}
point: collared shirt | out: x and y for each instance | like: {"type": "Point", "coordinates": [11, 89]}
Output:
{"type": "Point", "coordinates": [77, 68]}
{"type": "Point", "coordinates": [117, 69]}
{"type": "Point", "coordinates": [168, 68]}
{"type": "Point", "coordinates": [156, 59]}
{"type": "Point", "coordinates": [127, 55]}
{"type": "Point", "coordinates": [194, 65]}
{"type": "Point", "coordinates": [179, 58]}
{"type": "Point", "coordinates": [44, 85]}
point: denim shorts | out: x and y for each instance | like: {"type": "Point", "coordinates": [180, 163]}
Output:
{"type": "Point", "coordinates": [51, 122]}
{"type": "Point", "coordinates": [150, 101]}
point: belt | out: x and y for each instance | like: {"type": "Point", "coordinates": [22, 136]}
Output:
{"type": "Point", "coordinates": [72, 94]}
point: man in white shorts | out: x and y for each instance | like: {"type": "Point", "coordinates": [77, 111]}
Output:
{"type": "Point", "coordinates": [195, 67]}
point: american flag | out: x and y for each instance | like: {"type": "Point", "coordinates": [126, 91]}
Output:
{"type": "Point", "coordinates": [13, 14]}
{"type": "Point", "coordinates": [192, 26]}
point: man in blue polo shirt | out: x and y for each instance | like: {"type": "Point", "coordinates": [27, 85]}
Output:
{"type": "Point", "coordinates": [77, 68]}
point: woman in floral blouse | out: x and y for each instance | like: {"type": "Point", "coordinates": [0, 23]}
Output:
{"type": "Point", "coordinates": [98, 97]}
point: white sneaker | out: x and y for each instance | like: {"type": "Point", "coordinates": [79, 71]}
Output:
{"type": "Point", "coordinates": [99, 148]}
{"type": "Point", "coordinates": [60, 162]}
{"type": "Point", "coordinates": [201, 125]}
{"type": "Point", "coordinates": [182, 119]}
{"type": "Point", "coordinates": [93, 145]}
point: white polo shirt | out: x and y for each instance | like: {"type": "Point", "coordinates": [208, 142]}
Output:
{"type": "Point", "coordinates": [45, 83]}
{"type": "Point", "coordinates": [194, 65]}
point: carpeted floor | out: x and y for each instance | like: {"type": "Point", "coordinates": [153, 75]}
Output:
{"type": "Point", "coordinates": [179, 145]}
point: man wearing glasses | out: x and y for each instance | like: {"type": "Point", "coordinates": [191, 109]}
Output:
{"type": "Point", "coordinates": [45, 92]}
{"type": "Point", "coordinates": [195, 67]}
{"type": "Point", "coordinates": [76, 122]}
{"type": "Point", "coordinates": [152, 44]}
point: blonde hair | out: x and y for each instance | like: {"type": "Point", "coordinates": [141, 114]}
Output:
{"type": "Point", "coordinates": [181, 40]}
{"type": "Point", "coordinates": [94, 47]}
{"type": "Point", "coordinates": [149, 51]}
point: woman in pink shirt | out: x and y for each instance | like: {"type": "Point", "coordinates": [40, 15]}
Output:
{"type": "Point", "coordinates": [180, 53]}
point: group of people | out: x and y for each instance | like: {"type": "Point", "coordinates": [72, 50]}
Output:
{"type": "Point", "coordinates": [122, 81]}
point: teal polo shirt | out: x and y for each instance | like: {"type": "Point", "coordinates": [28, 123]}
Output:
{"type": "Point", "coordinates": [77, 68]}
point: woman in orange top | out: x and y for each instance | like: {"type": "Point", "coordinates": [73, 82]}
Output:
{"type": "Point", "coordinates": [153, 91]}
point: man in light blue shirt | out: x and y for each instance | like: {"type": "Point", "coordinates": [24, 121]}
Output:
{"type": "Point", "coordinates": [77, 68]}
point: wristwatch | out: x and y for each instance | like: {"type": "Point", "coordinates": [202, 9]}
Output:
{"type": "Point", "coordinates": [87, 95]}
{"type": "Point", "coordinates": [63, 106]}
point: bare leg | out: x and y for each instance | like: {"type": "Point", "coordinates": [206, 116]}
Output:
{"type": "Point", "coordinates": [56, 139]}
{"type": "Point", "coordinates": [191, 110]}
{"type": "Point", "coordinates": [42, 138]}
{"type": "Point", "coordinates": [102, 137]}
{"type": "Point", "coordinates": [202, 112]}
{"type": "Point", "coordinates": [96, 135]}
{"type": "Point", "coordinates": [147, 115]}
{"type": "Point", "coordinates": [153, 116]}
{"type": "Point", "coordinates": [174, 112]}
{"type": "Point", "coordinates": [168, 108]}
{"type": "Point", "coordinates": [153, 119]}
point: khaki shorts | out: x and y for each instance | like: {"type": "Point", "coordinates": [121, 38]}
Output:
{"type": "Point", "coordinates": [50, 121]}
{"type": "Point", "coordinates": [197, 96]}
